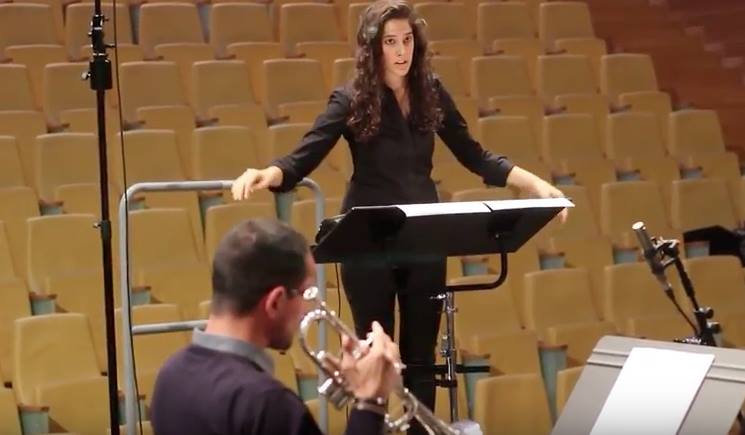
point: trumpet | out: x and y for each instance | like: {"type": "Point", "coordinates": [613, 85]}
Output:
{"type": "Point", "coordinates": [336, 389]}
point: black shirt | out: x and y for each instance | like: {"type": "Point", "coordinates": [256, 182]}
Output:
{"type": "Point", "coordinates": [215, 387]}
{"type": "Point", "coordinates": [393, 167]}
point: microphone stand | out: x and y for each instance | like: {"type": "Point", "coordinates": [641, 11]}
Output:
{"type": "Point", "coordinates": [706, 329]}
{"type": "Point", "coordinates": [99, 75]}
{"type": "Point", "coordinates": [703, 335]}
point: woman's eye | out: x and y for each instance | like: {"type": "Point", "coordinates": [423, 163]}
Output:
{"type": "Point", "coordinates": [390, 41]}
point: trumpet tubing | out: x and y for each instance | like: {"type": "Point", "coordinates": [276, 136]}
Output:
{"type": "Point", "coordinates": [337, 390]}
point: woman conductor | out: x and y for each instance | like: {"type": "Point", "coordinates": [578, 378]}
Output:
{"type": "Point", "coordinates": [389, 114]}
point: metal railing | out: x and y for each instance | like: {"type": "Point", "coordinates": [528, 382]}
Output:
{"type": "Point", "coordinates": [132, 410]}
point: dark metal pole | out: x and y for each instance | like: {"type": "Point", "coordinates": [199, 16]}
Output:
{"type": "Point", "coordinates": [99, 75]}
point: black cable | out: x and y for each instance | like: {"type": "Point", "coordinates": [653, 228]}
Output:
{"type": "Point", "coordinates": [682, 312]}
{"type": "Point", "coordinates": [126, 214]}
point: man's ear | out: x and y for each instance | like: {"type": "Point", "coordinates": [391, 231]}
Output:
{"type": "Point", "coordinates": [274, 300]}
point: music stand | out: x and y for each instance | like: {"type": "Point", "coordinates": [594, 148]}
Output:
{"type": "Point", "coordinates": [437, 230]}
{"type": "Point", "coordinates": [713, 410]}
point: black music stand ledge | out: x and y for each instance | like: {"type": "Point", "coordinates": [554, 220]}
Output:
{"type": "Point", "coordinates": [420, 231]}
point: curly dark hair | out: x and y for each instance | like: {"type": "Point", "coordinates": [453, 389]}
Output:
{"type": "Point", "coordinates": [368, 86]}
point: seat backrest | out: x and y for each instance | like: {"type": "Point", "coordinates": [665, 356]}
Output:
{"type": "Point", "coordinates": [633, 134]}
{"type": "Point", "coordinates": [307, 22]}
{"type": "Point", "coordinates": [699, 203]}
{"type": "Point", "coordinates": [163, 23]}
{"type": "Point", "coordinates": [79, 151]}
{"type": "Point", "coordinates": [239, 22]}
{"type": "Point", "coordinates": [15, 94]}
{"type": "Point", "coordinates": [49, 348]}
{"type": "Point", "coordinates": [624, 203]}
{"type": "Point", "coordinates": [563, 19]}
{"type": "Point", "coordinates": [284, 138]}
{"type": "Point", "coordinates": [16, 205]}
{"type": "Point", "coordinates": [15, 28]}
{"type": "Point", "coordinates": [10, 422]}
{"type": "Point", "coordinates": [149, 84]}
{"type": "Point", "coordinates": [626, 72]}
{"type": "Point", "coordinates": [718, 280]}
{"type": "Point", "coordinates": [293, 80]}
{"type": "Point", "coordinates": [498, 20]}
{"type": "Point", "coordinates": [11, 171]}
{"type": "Point", "coordinates": [222, 218]}
{"type": "Point", "coordinates": [695, 131]}
{"type": "Point", "coordinates": [77, 25]}
{"type": "Point", "coordinates": [509, 135]}
{"type": "Point", "coordinates": [64, 90]}
{"type": "Point", "coordinates": [514, 404]}
{"type": "Point", "coordinates": [444, 20]}
{"type": "Point", "coordinates": [564, 74]}
{"type": "Point", "coordinates": [161, 237]}
{"type": "Point", "coordinates": [151, 155]}
{"type": "Point", "coordinates": [571, 135]}
{"type": "Point", "coordinates": [499, 76]}
{"type": "Point", "coordinates": [558, 296]}
{"type": "Point", "coordinates": [220, 82]}
{"type": "Point", "coordinates": [35, 58]}
{"type": "Point", "coordinates": [449, 73]}
{"type": "Point", "coordinates": [152, 351]}
{"type": "Point", "coordinates": [222, 152]}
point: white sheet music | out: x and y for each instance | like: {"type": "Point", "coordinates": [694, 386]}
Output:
{"type": "Point", "coordinates": [653, 392]}
{"type": "Point", "coordinates": [481, 206]}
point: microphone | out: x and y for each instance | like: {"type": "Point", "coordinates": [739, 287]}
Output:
{"type": "Point", "coordinates": [651, 256]}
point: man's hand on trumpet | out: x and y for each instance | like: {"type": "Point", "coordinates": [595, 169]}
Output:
{"type": "Point", "coordinates": [371, 368]}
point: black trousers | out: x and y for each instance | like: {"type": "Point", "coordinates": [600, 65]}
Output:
{"type": "Point", "coordinates": [372, 290]}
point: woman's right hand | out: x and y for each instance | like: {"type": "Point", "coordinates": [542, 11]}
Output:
{"type": "Point", "coordinates": [255, 179]}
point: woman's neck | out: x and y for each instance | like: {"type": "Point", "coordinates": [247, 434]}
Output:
{"type": "Point", "coordinates": [396, 84]}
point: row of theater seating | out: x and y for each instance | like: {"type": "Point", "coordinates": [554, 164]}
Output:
{"type": "Point", "coordinates": [288, 22]}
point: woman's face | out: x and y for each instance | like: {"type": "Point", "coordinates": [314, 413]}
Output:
{"type": "Point", "coordinates": [398, 48]}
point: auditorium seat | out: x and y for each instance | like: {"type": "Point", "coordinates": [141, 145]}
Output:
{"type": "Point", "coordinates": [16, 92]}
{"type": "Point", "coordinates": [565, 381]}
{"type": "Point", "coordinates": [626, 72]}
{"type": "Point", "coordinates": [10, 422]}
{"type": "Point", "coordinates": [166, 257]}
{"type": "Point", "coordinates": [16, 205]}
{"type": "Point", "coordinates": [570, 136]}
{"type": "Point", "coordinates": [238, 22]}
{"type": "Point", "coordinates": [220, 83]}
{"type": "Point", "coordinates": [563, 74]}
{"type": "Point", "coordinates": [78, 151]}
{"type": "Point", "coordinates": [167, 23]}
{"type": "Point", "coordinates": [636, 304]}
{"type": "Point", "coordinates": [63, 91]}
{"type": "Point", "coordinates": [694, 132]}
{"type": "Point", "coordinates": [522, 261]}
{"type": "Point", "coordinates": [223, 153]}
{"type": "Point", "coordinates": [591, 104]}
{"type": "Point", "coordinates": [124, 53]}
{"type": "Point", "coordinates": [449, 73]}
{"type": "Point", "coordinates": [85, 198]}
{"type": "Point", "coordinates": [35, 58]}
{"type": "Point", "coordinates": [528, 106]}
{"type": "Point", "coordinates": [514, 404]}
{"type": "Point", "coordinates": [152, 350]}
{"type": "Point", "coordinates": [503, 20]}
{"type": "Point", "coordinates": [510, 136]}
{"type": "Point", "coordinates": [661, 170]}
{"type": "Point", "coordinates": [633, 135]}
{"type": "Point", "coordinates": [184, 55]}
{"type": "Point", "coordinates": [353, 15]}
{"type": "Point", "coordinates": [11, 171]}
{"type": "Point", "coordinates": [56, 367]}
{"type": "Point", "coordinates": [152, 155]}
{"type": "Point", "coordinates": [326, 52]}
{"type": "Point", "coordinates": [147, 84]}
{"type": "Point", "coordinates": [342, 72]}
{"type": "Point", "coordinates": [307, 22]}
{"type": "Point", "coordinates": [24, 126]}
{"type": "Point", "coordinates": [559, 307]}
{"type": "Point", "coordinates": [14, 304]}
{"type": "Point", "coordinates": [502, 75]}
{"type": "Point", "coordinates": [284, 369]}
{"type": "Point", "coordinates": [78, 23]}
{"type": "Point", "coordinates": [591, 253]}
{"type": "Point", "coordinates": [593, 48]}
{"type": "Point", "coordinates": [302, 111]}
{"type": "Point", "coordinates": [563, 19]}
{"type": "Point", "coordinates": [14, 28]}
{"type": "Point", "coordinates": [292, 81]}
{"type": "Point", "coordinates": [445, 21]}
{"type": "Point", "coordinates": [221, 218]}
{"type": "Point", "coordinates": [653, 102]}
{"type": "Point", "coordinates": [718, 282]}
{"type": "Point", "coordinates": [624, 203]}
{"type": "Point", "coordinates": [501, 338]}
{"type": "Point", "coordinates": [463, 49]}
{"type": "Point", "coordinates": [528, 48]}
{"type": "Point", "coordinates": [699, 203]}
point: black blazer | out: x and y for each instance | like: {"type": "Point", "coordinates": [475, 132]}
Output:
{"type": "Point", "coordinates": [394, 167]}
